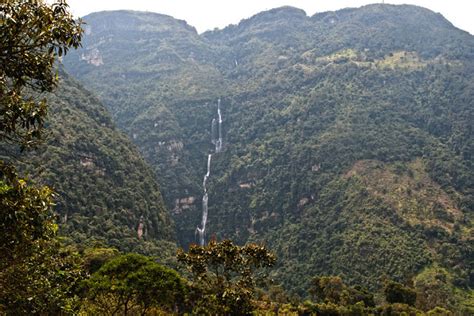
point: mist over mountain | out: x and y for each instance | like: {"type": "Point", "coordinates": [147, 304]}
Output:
{"type": "Point", "coordinates": [347, 135]}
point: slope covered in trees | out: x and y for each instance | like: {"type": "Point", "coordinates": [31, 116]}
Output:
{"type": "Point", "coordinates": [104, 191]}
{"type": "Point", "coordinates": [347, 135]}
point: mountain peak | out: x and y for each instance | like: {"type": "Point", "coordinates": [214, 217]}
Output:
{"type": "Point", "coordinates": [129, 20]}
{"type": "Point", "coordinates": [373, 14]}
{"type": "Point", "coordinates": [284, 12]}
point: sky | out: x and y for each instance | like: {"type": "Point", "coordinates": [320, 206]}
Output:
{"type": "Point", "coordinates": [209, 14]}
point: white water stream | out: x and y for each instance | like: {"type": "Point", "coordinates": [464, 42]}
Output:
{"type": "Point", "coordinates": [201, 231]}
{"type": "Point", "coordinates": [219, 127]}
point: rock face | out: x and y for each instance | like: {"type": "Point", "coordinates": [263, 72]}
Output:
{"type": "Point", "coordinates": [141, 228]}
{"type": "Point", "coordinates": [247, 185]}
{"type": "Point", "coordinates": [183, 204]}
{"type": "Point", "coordinates": [305, 102]}
{"type": "Point", "coordinates": [87, 162]}
{"type": "Point", "coordinates": [93, 57]}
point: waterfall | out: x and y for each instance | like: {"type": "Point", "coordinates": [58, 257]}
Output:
{"type": "Point", "coordinates": [206, 176]}
{"type": "Point", "coordinates": [200, 231]}
{"type": "Point", "coordinates": [219, 127]}
{"type": "Point", "coordinates": [213, 132]}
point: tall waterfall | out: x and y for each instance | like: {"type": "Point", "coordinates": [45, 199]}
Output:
{"type": "Point", "coordinates": [219, 127]}
{"type": "Point", "coordinates": [202, 230]}
{"type": "Point", "coordinates": [215, 132]}
{"type": "Point", "coordinates": [206, 176]}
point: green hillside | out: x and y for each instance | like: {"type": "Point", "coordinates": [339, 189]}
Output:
{"type": "Point", "coordinates": [105, 193]}
{"type": "Point", "coordinates": [348, 136]}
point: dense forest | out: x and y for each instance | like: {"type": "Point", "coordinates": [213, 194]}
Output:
{"type": "Point", "coordinates": [81, 158]}
{"type": "Point", "coordinates": [344, 184]}
{"type": "Point", "coordinates": [347, 135]}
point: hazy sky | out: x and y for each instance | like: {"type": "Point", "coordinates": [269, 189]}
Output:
{"type": "Point", "coordinates": [209, 14]}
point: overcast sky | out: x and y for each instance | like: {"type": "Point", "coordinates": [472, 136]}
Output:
{"type": "Point", "coordinates": [209, 14]}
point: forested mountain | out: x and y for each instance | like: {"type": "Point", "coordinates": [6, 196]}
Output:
{"type": "Point", "coordinates": [105, 192]}
{"type": "Point", "coordinates": [347, 135]}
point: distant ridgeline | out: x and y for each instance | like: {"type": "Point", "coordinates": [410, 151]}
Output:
{"type": "Point", "coordinates": [348, 135]}
{"type": "Point", "coordinates": [105, 192]}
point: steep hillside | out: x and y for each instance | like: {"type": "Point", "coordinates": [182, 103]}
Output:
{"type": "Point", "coordinates": [105, 193]}
{"type": "Point", "coordinates": [347, 136]}
{"type": "Point", "coordinates": [141, 64]}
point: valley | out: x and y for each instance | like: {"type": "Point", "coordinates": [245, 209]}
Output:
{"type": "Point", "coordinates": [287, 164]}
{"type": "Point", "coordinates": [306, 100]}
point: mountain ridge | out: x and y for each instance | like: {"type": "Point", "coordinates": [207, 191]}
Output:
{"type": "Point", "coordinates": [304, 101]}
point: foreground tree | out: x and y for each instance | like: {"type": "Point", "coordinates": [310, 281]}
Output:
{"type": "Point", "coordinates": [36, 276]}
{"type": "Point", "coordinates": [32, 36]}
{"type": "Point", "coordinates": [46, 282]}
{"type": "Point", "coordinates": [134, 284]}
{"type": "Point", "coordinates": [25, 217]}
{"type": "Point", "coordinates": [224, 276]}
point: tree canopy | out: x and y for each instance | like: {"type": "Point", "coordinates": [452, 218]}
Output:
{"type": "Point", "coordinates": [224, 275]}
{"type": "Point", "coordinates": [33, 35]}
{"type": "Point", "coordinates": [35, 276]}
{"type": "Point", "coordinates": [134, 283]}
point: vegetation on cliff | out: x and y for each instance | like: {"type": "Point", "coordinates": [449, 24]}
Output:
{"type": "Point", "coordinates": [347, 135]}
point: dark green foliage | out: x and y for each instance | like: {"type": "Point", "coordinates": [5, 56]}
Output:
{"type": "Point", "coordinates": [327, 289]}
{"type": "Point", "coordinates": [46, 282]}
{"type": "Point", "coordinates": [439, 311]}
{"type": "Point", "coordinates": [224, 276]}
{"type": "Point", "coordinates": [398, 293]}
{"type": "Point", "coordinates": [104, 190]}
{"type": "Point", "coordinates": [94, 258]}
{"type": "Point", "coordinates": [105, 193]}
{"type": "Point", "coordinates": [347, 135]}
{"type": "Point", "coordinates": [37, 275]}
{"type": "Point", "coordinates": [97, 175]}
{"type": "Point", "coordinates": [32, 35]}
{"type": "Point", "coordinates": [25, 218]}
{"type": "Point", "coordinates": [436, 287]}
{"type": "Point", "coordinates": [333, 297]}
{"type": "Point", "coordinates": [134, 284]}
{"type": "Point", "coordinates": [397, 309]}
{"type": "Point", "coordinates": [333, 290]}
